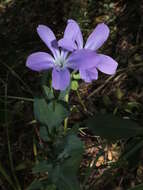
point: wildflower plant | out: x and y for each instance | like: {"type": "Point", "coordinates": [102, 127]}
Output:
{"type": "Point", "coordinates": [61, 148]}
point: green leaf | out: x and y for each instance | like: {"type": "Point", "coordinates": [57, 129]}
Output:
{"type": "Point", "coordinates": [64, 178]}
{"type": "Point", "coordinates": [35, 185]}
{"type": "Point", "coordinates": [74, 85]}
{"type": "Point", "coordinates": [42, 166]}
{"type": "Point", "coordinates": [112, 127]}
{"type": "Point", "coordinates": [137, 187]}
{"type": "Point", "coordinates": [63, 94]}
{"type": "Point", "coordinates": [51, 187]}
{"type": "Point", "coordinates": [65, 174]}
{"type": "Point", "coordinates": [48, 92]}
{"type": "Point", "coordinates": [46, 85]}
{"type": "Point", "coordinates": [41, 185]}
{"type": "Point", "coordinates": [50, 114]}
{"type": "Point", "coordinates": [44, 133]}
{"type": "Point", "coordinates": [131, 151]}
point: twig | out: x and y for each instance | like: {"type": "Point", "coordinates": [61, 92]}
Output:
{"type": "Point", "coordinates": [81, 102]}
{"type": "Point", "coordinates": [19, 98]}
{"type": "Point", "coordinates": [111, 77]}
{"type": "Point", "coordinates": [18, 77]}
{"type": "Point", "coordinates": [100, 87]}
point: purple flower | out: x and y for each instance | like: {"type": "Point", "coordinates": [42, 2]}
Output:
{"type": "Point", "coordinates": [86, 58]}
{"type": "Point", "coordinates": [58, 61]}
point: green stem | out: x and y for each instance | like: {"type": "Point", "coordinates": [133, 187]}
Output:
{"type": "Point", "coordinates": [7, 177]}
{"type": "Point", "coordinates": [8, 141]}
{"type": "Point", "coordinates": [35, 150]}
{"type": "Point", "coordinates": [81, 102]}
{"type": "Point", "coordinates": [66, 119]}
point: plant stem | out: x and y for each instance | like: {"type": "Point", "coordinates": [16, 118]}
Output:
{"type": "Point", "coordinates": [81, 102]}
{"type": "Point", "coordinates": [66, 119]}
{"type": "Point", "coordinates": [7, 177]}
{"type": "Point", "coordinates": [35, 150]}
{"type": "Point", "coordinates": [9, 147]}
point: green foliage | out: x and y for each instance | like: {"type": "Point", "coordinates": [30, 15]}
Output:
{"type": "Point", "coordinates": [42, 166]}
{"type": "Point", "coordinates": [61, 171]}
{"type": "Point", "coordinates": [65, 173]}
{"type": "Point", "coordinates": [44, 133]}
{"type": "Point", "coordinates": [48, 92]}
{"type": "Point", "coordinates": [35, 185]}
{"type": "Point", "coordinates": [50, 114]}
{"type": "Point", "coordinates": [64, 149]}
{"type": "Point", "coordinates": [40, 185]}
{"type": "Point", "coordinates": [132, 151]}
{"type": "Point", "coordinates": [112, 127]}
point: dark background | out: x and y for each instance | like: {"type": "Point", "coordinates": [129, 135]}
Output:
{"type": "Point", "coordinates": [122, 93]}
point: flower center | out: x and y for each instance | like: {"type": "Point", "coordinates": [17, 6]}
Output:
{"type": "Point", "coordinates": [60, 61]}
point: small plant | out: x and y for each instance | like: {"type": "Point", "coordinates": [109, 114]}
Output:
{"type": "Point", "coordinates": [61, 149]}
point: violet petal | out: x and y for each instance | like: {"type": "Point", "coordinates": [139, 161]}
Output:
{"type": "Point", "coordinates": [39, 61]}
{"type": "Point", "coordinates": [60, 79]}
{"type": "Point", "coordinates": [89, 74]}
{"type": "Point", "coordinates": [78, 38]}
{"type": "Point", "coordinates": [67, 44]}
{"type": "Point", "coordinates": [72, 34]}
{"type": "Point", "coordinates": [97, 37]}
{"type": "Point", "coordinates": [106, 64]}
{"type": "Point", "coordinates": [83, 59]}
{"type": "Point", "coordinates": [48, 38]}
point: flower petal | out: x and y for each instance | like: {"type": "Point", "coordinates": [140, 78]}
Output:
{"type": "Point", "coordinates": [72, 33]}
{"type": "Point", "coordinates": [97, 37]}
{"type": "Point", "coordinates": [60, 79]}
{"type": "Point", "coordinates": [48, 38]}
{"type": "Point", "coordinates": [64, 53]}
{"type": "Point", "coordinates": [39, 61]}
{"type": "Point", "coordinates": [67, 44]}
{"type": "Point", "coordinates": [89, 74]}
{"type": "Point", "coordinates": [83, 59]}
{"type": "Point", "coordinates": [78, 37]}
{"type": "Point", "coordinates": [106, 64]}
